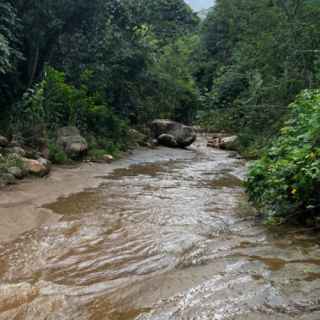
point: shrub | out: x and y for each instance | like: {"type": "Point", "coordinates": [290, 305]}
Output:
{"type": "Point", "coordinates": [285, 182]}
{"type": "Point", "coordinates": [54, 103]}
{"type": "Point", "coordinates": [57, 155]}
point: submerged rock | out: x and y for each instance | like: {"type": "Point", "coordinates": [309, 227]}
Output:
{"type": "Point", "coordinates": [71, 141]}
{"type": "Point", "coordinates": [173, 134]}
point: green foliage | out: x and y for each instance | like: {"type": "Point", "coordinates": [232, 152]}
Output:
{"type": "Point", "coordinates": [10, 161]}
{"type": "Point", "coordinates": [8, 27]}
{"type": "Point", "coordinates": [57, 155]}
{"type": "Point", "coordinates": [53, 104]}
{"type": "Point", "coordinates": [113, 59]}
{"type": "Point", "coordinates": [254, 58]}
{"type": "Point", "coordinates": [100, 146]}
{"type": "Point", "coordinates": [285, 183]}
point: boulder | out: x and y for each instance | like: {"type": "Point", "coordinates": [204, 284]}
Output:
{"type": "Point", "coordinates": [224, 142]}
{"type": "Point", "coordinates": [107, 158]}
{"type": "Point", "coordinates": [173, 134]}
{"type": "Point", "coordinates": [39, 167]}
{"type": "Point", "coordinates": [230, 143]}
{"type": "Point", "coordinates": [167, 140]}
{"type": "Point", "coordinates": [73, 144]}
{"type": "Point", "coordinates": [3, 141]}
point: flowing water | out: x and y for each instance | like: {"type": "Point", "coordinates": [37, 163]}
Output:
{"type": "Point", "coordinates": [171, 236]}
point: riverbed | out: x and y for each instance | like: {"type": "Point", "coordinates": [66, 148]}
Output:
{"type": "Point", "coordinates": [164, 234]}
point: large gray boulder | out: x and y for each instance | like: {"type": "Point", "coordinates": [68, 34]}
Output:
{"type": "Point", "coordinates": [173, 134]}
{"type": "Point", "coordinates": [71, 141]}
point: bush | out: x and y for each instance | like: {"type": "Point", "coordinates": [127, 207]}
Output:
{"type": "Point", "coordinates": [285, 183]}
{"type": "Point", "coordinates": [54, 103]}
{"type": "Point", "coordinates": [57, 155]}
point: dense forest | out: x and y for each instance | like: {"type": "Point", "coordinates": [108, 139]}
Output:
{"type": "Point", "coordinates": [251, 68]}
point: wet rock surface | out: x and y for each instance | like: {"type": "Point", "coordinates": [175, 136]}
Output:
{"type": "Point", "coordinates": [173, 134]}
{"type": "Point", "coordinates": [170, 237]}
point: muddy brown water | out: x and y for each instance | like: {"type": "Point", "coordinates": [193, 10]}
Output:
{"type": "Point", "coordinates": [171, 236]}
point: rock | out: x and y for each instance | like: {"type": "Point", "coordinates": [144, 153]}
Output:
{"type": "Point", "coordinates": [168, 140]}
{"type": "Point", "coordinates": [3, 141]}
{"type": "Point", "coordinates": [224, 142]}
{"type": "Point", "coordinates": [181, 136]}
{"type": "Point", "coordinates": [7, 179]}
{"type": "Point", "coordinates": [39, 167]}
{"type": "Point", "coordinates": [108, 158]}
{"type": "Point", "coordinates": [73, 144]}
{"type": "Point", "coordinates": [16, 172]}
{"type": "Point", "coordinates": [230, 143]}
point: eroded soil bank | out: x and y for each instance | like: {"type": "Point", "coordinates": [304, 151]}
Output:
{"type": "Point", "coordinates": [165, 234]}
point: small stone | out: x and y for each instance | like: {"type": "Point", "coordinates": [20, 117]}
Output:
{"type": "Point", "coordinates": [108, 158]}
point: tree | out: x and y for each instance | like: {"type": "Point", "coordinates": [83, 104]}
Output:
{"type": "Point", "coordinates": [257, 56]}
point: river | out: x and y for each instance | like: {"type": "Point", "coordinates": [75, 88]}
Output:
{"type": "Point", "coordinates": [165, 234]}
